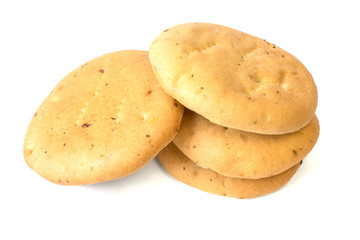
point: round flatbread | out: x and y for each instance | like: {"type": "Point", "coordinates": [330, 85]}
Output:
{"type": "Point", "coordinates": [240, 154]}
{"type": "Point", "coordinates": [234, 79]}
{"type": "Point", "coordinates": [103, 121]}
{"type": "Point", "coordinates": [186, 171]}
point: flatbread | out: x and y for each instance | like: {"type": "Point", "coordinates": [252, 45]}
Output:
{"type": "Point", "coordinates": [186, 171]}
{"type": "Point", "coordinates": [240, 154]}
{"type": "Point", "coordinates": [234, 79]}
{"type": "Point", "coordinates": [103, 121]}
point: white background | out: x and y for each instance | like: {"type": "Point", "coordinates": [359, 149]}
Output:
{"type": "Point", "coordinates": [41, 41]}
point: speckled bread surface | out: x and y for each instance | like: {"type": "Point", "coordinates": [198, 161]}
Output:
{"type": "Point", "coordinates": [186, 171]}
{"type": "Point", "coordinates": [234, 79]}
{"type": "Point", "coordinates": [103, 121]}
{"type": "Point", "coordinates": [240, 154]}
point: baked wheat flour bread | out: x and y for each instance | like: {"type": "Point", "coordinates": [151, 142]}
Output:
{"type": "Point", "coordinates": [103, 121]}
{"type": "Point", "coordinates": [186, 171]}
{"type": "Point", "coordinates": [234, 79]}
{"type": "Point", "coordinates": [240, 154]}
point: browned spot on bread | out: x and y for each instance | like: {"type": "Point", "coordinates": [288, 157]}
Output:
{"type": "Point", "coordinates": [35, 114]}
{"type": "Point", "coordinates": [295, 152]}
{"type": "Point", "coordinates": [149, 92]}
{"type": "Point", "coordinates": [101, 70]}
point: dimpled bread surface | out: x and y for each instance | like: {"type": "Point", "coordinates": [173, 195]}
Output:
{"type": "Point", "coordinates": [240, 154]}
{"type": "Point", "coordinates": [186, 171]}
{"type": "Point", "coordinates": [103, 121]}
{"type": "Point", "coordinates": [234, 79]}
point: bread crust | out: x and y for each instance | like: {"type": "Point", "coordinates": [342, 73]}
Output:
{"type": "Point", "coordinates": [234, 79]}
{"type": "Point", "coordinates": [241, 154]}
{"type": "Point", "coordinates": [103, 121]}
{"type": "Point", "coordinates": [186, 171]}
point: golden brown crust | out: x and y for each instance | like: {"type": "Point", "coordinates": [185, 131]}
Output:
{"type": "Point", "coordinates": [236, 153]}
{"type": "Point", "coordinates": [186, 171]}
{"type": "Point", "coordinates": [103, 121]}
{"type": "Point", "coordinates": [234, 79]}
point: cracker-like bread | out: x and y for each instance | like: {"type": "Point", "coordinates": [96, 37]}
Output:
{"type": "Point", "coordinates": [186, 171]}
{"type": "Point", "coordinates": [240, 154]}
{"type": "Point", "coordinates": [234, 79]}
{"type": "Point", "coordinates": [103, 121]}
